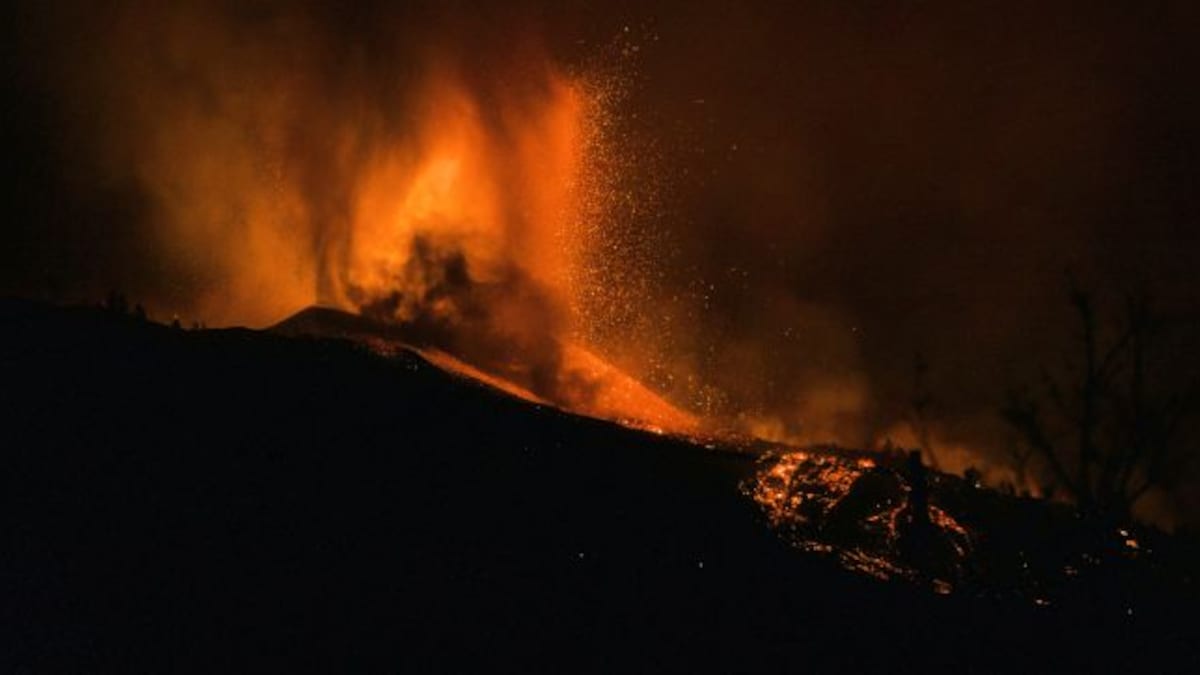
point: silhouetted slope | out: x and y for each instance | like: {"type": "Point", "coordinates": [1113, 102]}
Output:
{"type": "Point", "coordinates": [241, 501]}
{"type": "Point", "coordinates": [330, 322]}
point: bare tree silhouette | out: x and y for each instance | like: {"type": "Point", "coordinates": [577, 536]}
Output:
{"type": "Point", "coordinates": [1107, 427]}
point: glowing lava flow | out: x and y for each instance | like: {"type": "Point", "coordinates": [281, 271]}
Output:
{"type": "Point", "coordinates": [850, 507]}
{"type": "Point", "coordinates": [616, 396]}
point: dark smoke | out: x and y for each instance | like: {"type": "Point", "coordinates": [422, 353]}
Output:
{"type": "Point", "coordinates": [503, 326]}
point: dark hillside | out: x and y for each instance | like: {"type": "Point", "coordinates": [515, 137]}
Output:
{"type": "Point", "coordinates": [238, 501]}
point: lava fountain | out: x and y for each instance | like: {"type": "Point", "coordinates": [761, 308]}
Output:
{"type": "Point", "coordinates": [471, 236]}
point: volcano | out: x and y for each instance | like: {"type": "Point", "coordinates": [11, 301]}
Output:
{"type": "Point", "coordinates": [592, 386]}
{"type": "Point", "coordinates": [236, 499]}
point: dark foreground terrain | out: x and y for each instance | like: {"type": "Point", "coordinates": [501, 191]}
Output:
{"type": "Point", "coordinates": [237, 501]}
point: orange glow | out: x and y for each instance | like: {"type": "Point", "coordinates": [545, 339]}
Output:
{"type": "Point", "coordinates": [464, 202]}
{"type": "Point", "coordinates": [472, 232]}
{"type": "Point", "coordinates": [499, 197]}
{"type": "Point", "coordinates": [483, 207]}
